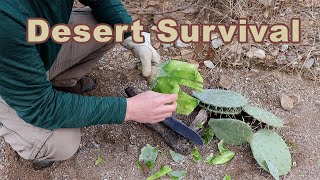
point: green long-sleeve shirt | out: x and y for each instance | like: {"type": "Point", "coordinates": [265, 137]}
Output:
{"type": "Point", "coordinates": [23, 81]}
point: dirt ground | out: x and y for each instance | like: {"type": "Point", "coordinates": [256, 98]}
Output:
{"type": "Point", "coordinates": [262, 82]}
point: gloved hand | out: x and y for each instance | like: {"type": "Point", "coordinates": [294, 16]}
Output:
{"type": "Point", "coordinates": [144, 52]}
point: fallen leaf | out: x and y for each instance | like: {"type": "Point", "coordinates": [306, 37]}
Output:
{"type": "Point", "coordinates": [196, 155]}
{"type": "Point", "coordinates": [208, 136]}
{"type": "Point", "coordinates": [148, 156]}
{"type": "Point", "coordinates": [177, 175]}
{"type": "Point", "coordinates": [162, 172]}
{"type": "Point", "coordinates": [227, 177]}
{"type": "Point", "coordinates": [222, 148]}
{"type": "Point", "coordinates": [224, 157]}
{"type": "Point", "coordinates": [100, 160]}
{"type": "Point", "coordinates": [220, 159]}
{"type": "Point", "coordinates": [176, 156]}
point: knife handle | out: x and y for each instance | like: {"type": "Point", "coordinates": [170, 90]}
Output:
{"type": "Point", "coordinates": [130, 91]}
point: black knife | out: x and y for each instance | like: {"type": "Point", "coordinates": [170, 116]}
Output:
{"type": "Point", "coordinates": [175, 124]}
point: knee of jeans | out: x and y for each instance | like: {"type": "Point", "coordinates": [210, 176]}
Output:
{"type": "Point", "coordinates": [61, 145]}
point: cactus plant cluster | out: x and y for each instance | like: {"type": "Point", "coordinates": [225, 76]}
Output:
{"type": "Point", "coordinates": [268, 148]}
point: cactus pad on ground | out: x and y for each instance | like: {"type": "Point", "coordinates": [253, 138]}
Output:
{"type": "Point", "coordinates": [221, 101]}
{"type": "Point", "coordinates": [216, 110]}
{"type": "Point", "coordinates": [263, 116]}
{"type": "Point", "coordinates": [268, 146]}
{"type": "Point", "coordinates": [232, 131]}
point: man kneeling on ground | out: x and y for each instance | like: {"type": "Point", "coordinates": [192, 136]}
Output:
{"type": "Point", "coordinates": [41, 110]}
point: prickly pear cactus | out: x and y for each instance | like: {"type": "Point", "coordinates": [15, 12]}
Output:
{"type": "Point", "coordinates": [232, 131]}
{"type": "Point", "coordinates": [264, 116]}
{"type": "Point", "coordinates": [268, 147]}
{"type": "Point", "coordinates": [221, 101]}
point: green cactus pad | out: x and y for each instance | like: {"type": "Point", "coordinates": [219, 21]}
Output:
{"type": "Point", "coordinates": [268, 146]}
{"type": "Point", "coordinates": [221, 98]}
{"type": "Point", "coordinates": [226, 111]}
{"type": "Point", "coordinates": [168, 76]}
{"type": "Point", "coordinates": [263, 116]}
{"type": "Point", "coordinates": [231, 131]}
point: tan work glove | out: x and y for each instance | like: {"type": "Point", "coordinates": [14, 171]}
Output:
{"type": "Point", "coordinates": [144, 52]}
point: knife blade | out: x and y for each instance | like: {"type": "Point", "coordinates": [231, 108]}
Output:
{"type": "Point", "coordinates": [175, 124]}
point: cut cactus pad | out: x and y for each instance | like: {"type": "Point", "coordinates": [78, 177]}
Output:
{"type": "Point", "coordinates": [168, 76]}
{"type": "Point", "coordinates": [269, 148]}
{"type": "Point", "coordinates": [231, 131]}
{"type": "Point", "coordinates": [263, 116]}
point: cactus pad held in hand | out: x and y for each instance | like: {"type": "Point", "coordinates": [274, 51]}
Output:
{"type": "Point", "coordinates": [263, 116]}
{"type": "Point", "coordinates": [268, 146]}
{"type": "Point", "coordinates": [169, 75]}
{"type": "Point", "coordinates": [231, 131]}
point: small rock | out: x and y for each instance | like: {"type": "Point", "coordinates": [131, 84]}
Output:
{"type": "Point", "coordinates": [294, 164]}
{"type": "Point", "coordinates": [287, 102]}
{"type": "Point", "coordinates": [216, 43]}
{"type": "Point", "coordinates": [100, 68]}
{"type": "Point", "coordinates": [249, 54]}
{"type": "Point", "coordinates": [259, 53]}
{"type": "Point", "coordinates": [209, 64]}
{"type": "Point", "coordinates": [284, 48]}
{"type": "Point", "coordinates": [1, 167]}
{"type": "Point", "coordinates": [225, 82]}
{"type": "Point", "coordinates": [152, 3]}
{"type": "Point", "coordinates": [181, 44]}
{"type": "Point", "coordinates": [309, 63]}
{"type": "Point", "coordinates": [254, 70]}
